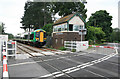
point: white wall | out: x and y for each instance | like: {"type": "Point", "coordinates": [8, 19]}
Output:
{"type": "Point", "coordinates": [76, 20]}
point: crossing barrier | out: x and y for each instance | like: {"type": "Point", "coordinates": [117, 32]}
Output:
{"type": "Point", "coordinates": [4, 55]}
{"type": "Point", "coordinates": [101, 46]}
{"type": "Point", "coordinates": [5, 69]}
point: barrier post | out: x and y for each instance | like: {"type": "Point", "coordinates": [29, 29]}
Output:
{"type": "Point", "coordinates": [5, 69]}
{"type": "Point", "coordinates": [4, 53]}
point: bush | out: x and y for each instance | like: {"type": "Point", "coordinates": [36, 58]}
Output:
{"type": "Point", "coordinates": [73, 50]}
{"type": "Point", "coordinates": [62, 48]}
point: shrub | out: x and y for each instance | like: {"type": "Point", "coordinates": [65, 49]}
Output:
{"type": "Point", "coordinates": [73, 50]}
{"type": "Point", "coordinates": [62, 48]}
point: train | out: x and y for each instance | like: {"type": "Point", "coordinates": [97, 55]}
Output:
{"type": "Point", "coordinates": [35, 38]}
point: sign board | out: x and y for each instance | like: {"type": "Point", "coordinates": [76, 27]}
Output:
{"type": "Point", "coordinates": [81, 46]}
{"type": "Point", "coordinates": [82, 32]}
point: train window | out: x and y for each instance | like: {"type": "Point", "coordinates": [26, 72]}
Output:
{"type": "Point", "coordinates": [31, 36]}
{"type": "Point", "coordinates": [44, 34]}
{"type": "Point", "coordinates": [26, 37]}
{"type": "Point", "coordinates": [37, 35]}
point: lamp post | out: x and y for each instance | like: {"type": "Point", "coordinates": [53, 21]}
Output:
{"type": "Point", "coordinates": [81, 34]}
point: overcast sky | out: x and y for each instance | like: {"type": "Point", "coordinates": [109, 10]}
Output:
{"type": "Point", "coordinates": [11, 12]}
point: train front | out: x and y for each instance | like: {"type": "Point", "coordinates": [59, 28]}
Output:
{"type": "Point", "coordinates": [40, 36]}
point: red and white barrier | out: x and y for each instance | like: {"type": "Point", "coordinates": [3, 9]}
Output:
{"type": "Point", "coordinates": [4, 53]}
{"type": "Point", "coordinates": [102, 46]}
{"type": "Point", "coordinates": [5, 69]}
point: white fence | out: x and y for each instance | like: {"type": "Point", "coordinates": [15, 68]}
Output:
{"type": "Point", "coordinates": [76, 45]}
{"type": "Point", "coordinates": [11, 49]}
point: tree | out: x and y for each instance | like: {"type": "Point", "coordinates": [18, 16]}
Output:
{"type": "Point", "coordinates": [115, 36]}
{"type": "Point", "coordinates": [48, 28]}
{"type": "Point", "coordinates": [95, 34]}
{"type": "Point", "coordinates": [66, 8]}
{"type": "Point", "coordinates": [36, 14]}
{"type": "Point", "coordinates": [2, 28]}
{"type": "Point", "coordinates": [101, 19]}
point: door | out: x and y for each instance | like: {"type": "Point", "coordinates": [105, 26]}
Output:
{"type": "Point", "coordinates": [41, 37]}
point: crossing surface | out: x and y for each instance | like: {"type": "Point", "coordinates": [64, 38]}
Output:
{"type": "Point", "coordinates": [94, 62]}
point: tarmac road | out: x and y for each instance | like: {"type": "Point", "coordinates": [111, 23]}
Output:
{"type": "Point", "coordinates": [95, 64]}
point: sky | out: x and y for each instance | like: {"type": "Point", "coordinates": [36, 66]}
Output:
{"type": "Point", "coordinates": [11, 12]}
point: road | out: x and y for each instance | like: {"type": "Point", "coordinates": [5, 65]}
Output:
{"type": "Point", "coordinates": [98, 63]}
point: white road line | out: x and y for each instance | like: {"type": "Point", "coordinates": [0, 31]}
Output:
{"type": "Point", "coordinates": [76, 68]}
{"type": "Point", "coordinates": [95, 73]}
{"type": "Point", "coordinates": [38, 61]}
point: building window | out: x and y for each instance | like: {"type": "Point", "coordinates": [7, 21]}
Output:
{"type": "Point", "coordinates": [70, 27]}
{"type": "Point", "coordinates": [65, 27]}
{"type": "Point", "coordinates": [55, 28]}
{"type": "Point", "coordinates": [59, 28]}
{"type": "Point", "coordinates": [62, 28]}
{"type": "Point", "coordinates": [81, 26]}
{"type": "Point", "coordinates": [76, 27]}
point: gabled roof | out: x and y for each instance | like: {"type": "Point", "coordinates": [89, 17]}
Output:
{"type": "Point", "coordinates": [39, 30]}
{"type": "Point", "coordinates": [67, 18]}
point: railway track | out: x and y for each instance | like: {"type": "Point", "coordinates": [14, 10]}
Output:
{"type": "Point", "coordinates": [40, 50]}
{"type": "Point", "coordinates": [70, 77]}
{"type": "Point", "coordinates": [58, 56]}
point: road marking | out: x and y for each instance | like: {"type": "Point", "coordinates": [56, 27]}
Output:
{"type": "Point", "coordinates": [76, 68]}
{"type": "Point", "coordinates": [95, 73]}
{"type": "Point", "coordinates": [40, 61]}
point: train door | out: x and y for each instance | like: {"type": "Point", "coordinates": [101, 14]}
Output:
{"type": "Point", "coordinates": [41, 36]}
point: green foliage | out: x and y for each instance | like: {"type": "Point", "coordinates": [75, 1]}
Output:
{"type": "Point", "coordinates": [62, 48]}
{"type": "Point", "coordinates": [10, 36]}
{"type": "Point", "coordinates": [36, 14]}
{"type": "Point", "coordinates": [73, 50]}
{"type": "Point", "coordinates": [48, 28]}
{"type": "Point", "coordinates": [66, 8]}
{"type": "Point", "coordinates": [94, 33]}
{"type": "Point", "coordinates": [2, 28]}
{"type": "Point", "coordinates": [115, 36]}
{"type": "Point", "coordinates": [39, 14]}
{"type": "Point", "coordinates": [101, 19]}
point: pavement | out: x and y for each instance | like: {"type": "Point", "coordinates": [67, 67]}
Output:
{"type": "Point", "coordinates": [0, 69]}
{"type": "Point", "coordinates": [98, 63]}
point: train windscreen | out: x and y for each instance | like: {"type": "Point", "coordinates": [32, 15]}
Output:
{"type": "Point", "coordinates": [37, 35]}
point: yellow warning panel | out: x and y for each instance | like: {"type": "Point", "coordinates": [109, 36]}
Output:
{"type": "Point", "coordinates": [41, 37]}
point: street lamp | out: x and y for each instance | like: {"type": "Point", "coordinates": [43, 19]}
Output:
{"type": "Point", "coordinates": [82, 31]}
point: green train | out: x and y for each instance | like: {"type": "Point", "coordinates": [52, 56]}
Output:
{"type": "Point", "coordinates": [35, 38]}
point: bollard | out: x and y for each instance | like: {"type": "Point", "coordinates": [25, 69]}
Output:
{"type": "Point", "coordinates": [5, 69]}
